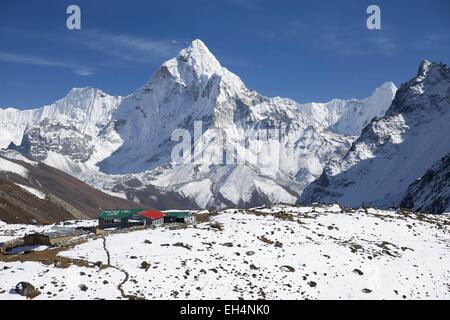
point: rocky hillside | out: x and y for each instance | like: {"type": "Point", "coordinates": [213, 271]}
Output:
{"type": "Point", "coordinates": [32, 192]}
{"type": "Point", "coordinates": [431, 193]}
{"type": "Point", "coordinates": [20, 204]}
{"type": "Point", "coordinates": [396, 150]}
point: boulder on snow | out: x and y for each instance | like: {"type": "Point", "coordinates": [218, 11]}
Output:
{"type": "Point", "coordinates": [26, 289]}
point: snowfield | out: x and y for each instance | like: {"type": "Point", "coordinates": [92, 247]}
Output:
{"type": "Point", "coordinates": [283, 252]}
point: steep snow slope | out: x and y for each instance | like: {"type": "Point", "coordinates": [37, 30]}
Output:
{"type": "Point", "coordinates": [395, 150]}
{"type": "Point", "coordinates": [268, 253]}
{"type": "Point", "coordinates": [181, 91]}
{"type": "Point", "coordinates": [79, 127]}
{"type": "Point", "coordinates": [13, 123]}
{"type": "Point", "coordinates": [431, 193]}
{"type": "Point", "coordinates": [349, 117]}
{"type": "Point", "coordinates": [195, 87]}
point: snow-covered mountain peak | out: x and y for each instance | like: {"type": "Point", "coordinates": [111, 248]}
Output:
{"type": "Point", "coordinates": [381, 96]}
{"type": "Point", "coordinates": [88, 107]}
{"type": "Point", "coordinates": [425, 92]}
{"type": "Point", "coordinates": [435, 70]}
{"type": "Point", "coordinates": [424, 68]}
{"type": "Point", "coordinates": [194, 63]}
{"type": "Point", "coordinates": [83, 104]}
{"type": "Point", "coordinates": [196, 69]}
{"type": "Point", "coordinates": [198, 54]}
{"type": "Point", "coordinates": [349, 117]}
{"type": "Point", "coordinates": [84, 93]}
{"type": "Point", "coordinates": [386, 89]}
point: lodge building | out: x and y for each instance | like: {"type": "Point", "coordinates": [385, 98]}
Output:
{"type": "Point", "coordinates": [128, 218]}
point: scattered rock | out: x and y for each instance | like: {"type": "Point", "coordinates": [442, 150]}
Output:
{"type": "Point", "coordinates": [358, 272]}
{"type": "Point", "coordinates": [145, 265]}
{"type": "Point", "coordinates": [26, 289]}
{"type": "Point", "coordinates": [264, 239]}
{"type": "Point", "coordinates": [287, 269]}
{"type": "Point", "coordinates": [366, 290]}
{"type": "Point", "coordinates": [312, 284]}
{"type": "Point", "coordinates": [83, 287]}
{"type": "Point", "coordinates": [355, 247]}
{"type": "Point", "coordinates": [182, 245]}
{"type": "Point", "coordinates": [227, 244]}
{"type": "Point", "coordinates": [217, 226]}
{"type": "Point", "coordinates": [147, 242]}
{"type": "Point", "coordinates": [250, 253]}
{"type": "Point", "coordinates": [98, 264]}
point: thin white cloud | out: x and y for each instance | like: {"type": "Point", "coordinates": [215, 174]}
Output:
{"type": "Point", "coordinates": [84, 72]}
{"type": "Point", "coordinates": [130, 48]}
{"type": "Point", "coordinates": [123, 47]}
{"type": "Point", "coordinates": [349, 44]}
{"type": "Point", "coordinates": [43, 62]}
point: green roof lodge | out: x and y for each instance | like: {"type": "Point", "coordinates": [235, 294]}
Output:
{"type": "Point", "coordinates": [117, 218]}
{"type": "Point", "coordinates": [179, 216]}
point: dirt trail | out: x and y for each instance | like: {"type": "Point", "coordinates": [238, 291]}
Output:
{"type": "Point", "coordinates": [126, 278]}
{"type": "Point", "coordinates": [51, 256]}
{"type": "Point", "coordinates": [108, 256]}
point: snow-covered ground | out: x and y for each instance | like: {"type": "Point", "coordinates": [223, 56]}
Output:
{"type": "Point", "coordinates": [279, 253]}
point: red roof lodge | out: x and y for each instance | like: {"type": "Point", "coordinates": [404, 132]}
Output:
{"type": "Point", "coordinates": [153, 217]}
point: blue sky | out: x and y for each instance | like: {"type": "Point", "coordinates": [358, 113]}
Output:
{"type": "Point", "coordinates": [305, 50]}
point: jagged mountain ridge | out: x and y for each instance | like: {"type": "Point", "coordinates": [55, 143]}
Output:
{"type": "Point", "coordinates": [78, 126]}
{"type": "Point", "coordinates": [339, 115]}
{"type": "Point", "coordinates": [394, 151]}
{"type": "Point", "coordinates": [131, 135]}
